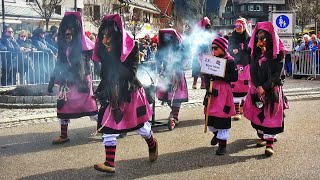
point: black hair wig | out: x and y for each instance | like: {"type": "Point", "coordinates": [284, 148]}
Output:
{"type": "Point", "coordinates": [269, 45]}
{"type": "Point", "coordinates": [72, 23]}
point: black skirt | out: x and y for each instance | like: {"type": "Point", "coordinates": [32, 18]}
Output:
{"type": "Point", "coordinates": [219, 123]}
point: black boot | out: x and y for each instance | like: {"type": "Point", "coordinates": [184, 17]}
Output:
{"type": "Point", "coordinates": [222, 150]}
{"type": "Point", "coordinates": [214, 140]}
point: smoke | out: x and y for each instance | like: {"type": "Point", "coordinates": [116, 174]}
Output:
{"type": "Point", "coordinates": [176, 59]}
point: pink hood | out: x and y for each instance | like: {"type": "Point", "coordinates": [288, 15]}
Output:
{"type": "Point", "coordinates": [170, 31]}
{"type": "Point", "coordinates": [203, 22]}
{"type": "Point", "coordinates": [267, 26]}
{"type": "Point", "coordinates": [127, 41]}
{"type": "Point", "coordinates": [86, 43]}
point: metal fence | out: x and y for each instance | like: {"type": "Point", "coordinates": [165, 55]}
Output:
{"type": "Point", "coordinates": [305, 63]}
{"type": "Point", "coordinates": [26, 67]}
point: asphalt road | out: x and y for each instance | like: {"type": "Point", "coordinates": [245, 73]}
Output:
{"type": "Point", "coordinates": [26, 151]}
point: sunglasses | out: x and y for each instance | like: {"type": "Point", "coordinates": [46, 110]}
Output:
{"type": "Point", "coordinates": [23, 36]}
{"type": "Point", "coordinates": [238, 26]}
{"type": "Point", "coordinates": [10, 31]}
{"type": "Point", "coordinates": [215, 48]}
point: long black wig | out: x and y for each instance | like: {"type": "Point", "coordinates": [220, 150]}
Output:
{"type": "Point", "coordinates": [77, 69]}
{"type": "Point", "coordinates": [112, 88]}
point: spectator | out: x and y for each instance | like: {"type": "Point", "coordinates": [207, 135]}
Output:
{"type": "Point", "coordinates": [315, 54]}
{"type": "Point", "coordinates": [9, 63]}
{"type": "Point", "coordinates": [52, 36]}
{"type": "Point", "coordinates": [2, 56]}
{"type": "Point", "coordinates": [44, 60]}
{"type": "Point", "coordinates": [146, 51]}
{"type": "Point", "coordinates": [25, 61]}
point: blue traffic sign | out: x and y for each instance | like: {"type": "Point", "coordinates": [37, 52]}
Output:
{"type": "Point", "coordinates": [282, 21]}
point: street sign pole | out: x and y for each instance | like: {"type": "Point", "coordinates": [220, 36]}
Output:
{"type": "Point", "coordinates": [284, 25]}
{"type": "Point", "coordinates": [3, 16]}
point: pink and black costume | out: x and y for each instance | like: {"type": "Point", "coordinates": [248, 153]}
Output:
{"type": "Point", "coordinates": [172, 86]}
{"type": "Point", "coordinates": [72, 74]}
{"type": "Point", "coordinates": [242, 57]}
{"type": "Point", "coordinates": [221, 104]}
{"type": "Point", "coordinates": [124, 106]}
{"type": "Point", "coordinates": [266, 111]}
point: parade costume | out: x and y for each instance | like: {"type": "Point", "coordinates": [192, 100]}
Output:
{"type": "Point", "coordinates": [172, 85]}
{"type": "Point", "coordinates": [238, 42]}
{"type": "Point", "coordinates": [124, 106]}
{"type": "Point", "coordinates": [72, 74]}
{"type": "Point", "coordinates": [221, 104]}
{"type": "Point", "coordinates": [203, 50]}
{"type": "Point", "coordinates": [265, 104]}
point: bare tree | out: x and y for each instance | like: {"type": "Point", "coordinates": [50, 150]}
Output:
{"type": "Point", "coordinates": [306, 10]}
{"type": "Point", "coordinates": [94, 12]}
{"type": "Point", "coordinates": [45, 8]}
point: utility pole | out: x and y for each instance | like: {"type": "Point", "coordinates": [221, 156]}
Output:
{"type": "Point", "coordinates": [75, 6]}
{"type": "Point", "coordinates": [3, 16]}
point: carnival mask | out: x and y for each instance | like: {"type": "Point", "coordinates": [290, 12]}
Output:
{"type": "Point", "coordinates": [262, 41]}
{"type": "Point", "coordinates": [110, 34]}
{"type": "Point", "coordinates": [68, 35]}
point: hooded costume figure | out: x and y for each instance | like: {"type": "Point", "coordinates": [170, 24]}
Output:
{"type": "Point", "coordinates": [124, 106]}
{"type": "Point", "coordinates": [72, 74]}
{"type": "Point", "coordinates": [172, 86]}
{"type": "Point", "coordinates": [238, 49]}
{"type": "Point", "coordinates": [264, 103]}
{"type": "Point", "coordinates": [204, 25]}
{"type": "Point", "coordinates": [221, 100]}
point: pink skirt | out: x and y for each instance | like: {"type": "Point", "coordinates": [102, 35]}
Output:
{"type": "Point", "coordinates": [165, 93]}
{"type": "Point", "coordinates": [222, 105]}
{"type": "Point", "coordinates": [263, 117]}
{"type": "Point", "coordinates": [135, 113]}
{"type": "Point", "coordinates": [242, 85]}
{"type": "Point", "coordinates": [78, 104]}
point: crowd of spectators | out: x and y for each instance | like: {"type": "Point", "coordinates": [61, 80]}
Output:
{"type": "Point", "coordinates": [30, 58]}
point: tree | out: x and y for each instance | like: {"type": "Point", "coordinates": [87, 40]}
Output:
{"type": "Point", "coordinates": [45, 8]}
{"type": "Point", "coordinates": [306, 10]}
{"type": "Point", "coordinates": [188, 11]}
{"type": "Point", "coordinates": [93, 12]}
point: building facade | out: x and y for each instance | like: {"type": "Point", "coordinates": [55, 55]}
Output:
{"type": "Point", "coordinates": [253, 10]}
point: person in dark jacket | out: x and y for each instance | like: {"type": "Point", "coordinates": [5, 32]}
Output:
{"type": "Point", "coordinates": [238, 49]}
{"type": "Point", "coordinates": [25, 59]}
{"type": "Point", "coordinates": [265, 103]}
{"type": "Point", "coordinates": [10, 62]}
{"type": "Point", "coordinates": [52, 36]}
{"type": "Point", "coordinates": [43, 60]}
{"type": "Point", "coordinates": [2, 55]}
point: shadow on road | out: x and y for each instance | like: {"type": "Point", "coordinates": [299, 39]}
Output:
{"type": "Point", "coordinates": [192, 159]}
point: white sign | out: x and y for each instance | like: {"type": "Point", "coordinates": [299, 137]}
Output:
{"type": "Point", "coordinates": [213, 65]}
{"type": "Point", "coordinates": [283, 22]}
{"type": "Point", "coordinates": [287, 42]}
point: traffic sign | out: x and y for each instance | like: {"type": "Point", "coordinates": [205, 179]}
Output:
{"type": "Point", "coordinates": [283, 23]}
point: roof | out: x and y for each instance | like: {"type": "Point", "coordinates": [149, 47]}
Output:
{"type": "Point", "coordinates": [262, 2]}
{"type": "Point", "coordinates": [144, 4]}
{"type": "Point", "coordinates": [23, 11]}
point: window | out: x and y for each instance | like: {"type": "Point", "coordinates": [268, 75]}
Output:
{"type": "Point", "coordinates": [242, 8]}
{"type": "Point", "coordinates": [30, 1]}
{"type": "Point", "coordinates": [258, 8]}
{"type": "Point", "coordinates": [57, 10]}
{"type": "Point", "coordinates": [228, 8]}
{"type": "Point", "coordinates": [96, 12]}
{"type": "Point", "coordinates": [251, 7]}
